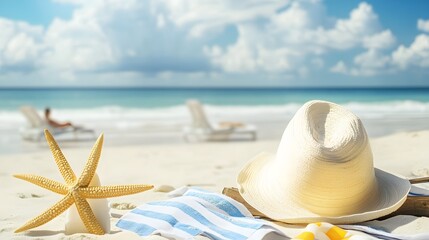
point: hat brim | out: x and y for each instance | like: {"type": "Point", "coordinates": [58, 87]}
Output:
{"type": "Point", "coordinates": [260, 189]}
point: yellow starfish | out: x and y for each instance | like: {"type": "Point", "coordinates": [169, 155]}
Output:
{"type": "Point", "coordinates": [76, 190]}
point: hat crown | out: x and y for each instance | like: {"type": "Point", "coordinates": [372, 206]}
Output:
{"type": "Point", "coordinates": [325, 147]}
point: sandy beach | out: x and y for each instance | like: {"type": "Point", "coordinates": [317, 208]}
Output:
{"type": "Point", "coordinates": [211, 166]}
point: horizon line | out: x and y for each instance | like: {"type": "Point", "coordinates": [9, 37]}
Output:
{"type": "Point", "coordinates": [209, 88]}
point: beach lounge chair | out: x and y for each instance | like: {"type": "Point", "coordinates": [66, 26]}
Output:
{"type": "Point", "coordinates": [202, 129]}
{"type": "Point", "coordinates": [35, 129]}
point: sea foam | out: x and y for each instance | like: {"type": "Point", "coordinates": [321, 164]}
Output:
{"type": "Point", "coordinates": [126, 117]}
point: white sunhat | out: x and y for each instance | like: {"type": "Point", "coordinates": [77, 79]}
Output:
{"type": "Point", "coordinates": [323, 171]}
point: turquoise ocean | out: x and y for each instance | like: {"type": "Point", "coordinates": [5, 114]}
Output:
{"type": "Point", "coordinates": [159, 114]}
{"type": "Point", "coordinates": [74, 98]}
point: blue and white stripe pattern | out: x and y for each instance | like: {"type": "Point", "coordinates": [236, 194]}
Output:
{"type": "Point", "coordinates": [417, 191]}
{"type": "Point", "coordinates": [196, 212]}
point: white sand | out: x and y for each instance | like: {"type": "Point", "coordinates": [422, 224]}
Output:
{"type": "Point", "coordinates": [208, 165]}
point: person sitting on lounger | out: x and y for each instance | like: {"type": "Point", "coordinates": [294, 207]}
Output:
{"type": "Point", "coordinates": [54, 123]}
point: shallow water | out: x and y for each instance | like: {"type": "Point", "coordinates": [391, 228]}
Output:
{"type": "Point", "coordinates": [148, 116]}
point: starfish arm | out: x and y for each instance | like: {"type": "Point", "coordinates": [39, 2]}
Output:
{"type": "Point", "coordinates": [112, 191]}
{"type": "Point", "coordinates": [63, 165]}
{"type": "Point", "coordinates": [86, 214]}
{"type": "Point", "coordinates": [43, 182]}
{"type": "Point", "coordinates": [91, 165]}
{"type": "Point", "coordinates": [49, 214]}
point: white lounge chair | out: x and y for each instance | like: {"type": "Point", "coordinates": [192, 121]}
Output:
{"type": "Point", "coordinates": [202, 129]}
{"type": "Point", "coordinates": [35, 130]}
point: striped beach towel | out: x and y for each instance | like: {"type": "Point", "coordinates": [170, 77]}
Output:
{"type": "Point", "coordinates": [197, 212]}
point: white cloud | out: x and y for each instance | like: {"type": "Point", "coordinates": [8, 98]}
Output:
{"type": "Point", "coordinates": [91, 50]}
{"type": "Point", "coordinates": [423, 25]}
{"type": "Point", "coordinates": [244, 56]}
{"type": "Point", "coordinates": [417, 54]}
{"type": "Point", "coordinates": [101, 36]}
{"type": "Point", "coordinates": [371, 59]}
{"type": "Point", "coordinates": [351, 32]}
{"type": "Point", "coordinates": [135, 35]}
{"type": "Point", "coordinates": [339, 67]}
{"type": "Point", "coordinates": [368, 63]}
{"type": "Point", "coordinates": [374, 61]}
{"type": "Point", "coordinates": [20, 45]}
{"type": "Point", "coordinates": [384, 39]}
{"type": "Point", "coordinates": [298, 34]}
{"type": "Point", "coordinates": [204, 16]}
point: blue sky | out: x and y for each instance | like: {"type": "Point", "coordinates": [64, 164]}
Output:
{"type": "Point", "coordinates": [220, 43]}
